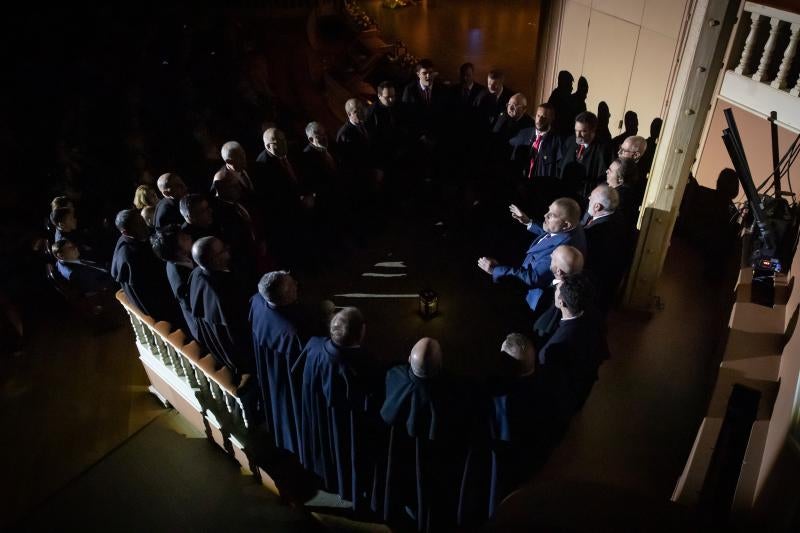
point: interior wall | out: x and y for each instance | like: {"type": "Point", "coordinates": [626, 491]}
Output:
{"type": "Point", "coordinates": [626, 51]}
{"type": "Point", "coordinates": [755, 133]}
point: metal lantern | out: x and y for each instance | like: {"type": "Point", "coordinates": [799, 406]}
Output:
{"type": "Point", "coordinates": [428, 303]}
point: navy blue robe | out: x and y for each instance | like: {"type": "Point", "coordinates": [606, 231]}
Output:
{"type": "Point", "coordinates": [143, 279]}
{"type": "Point", "coordinates": [178, 277]}
{"type": "Point", "coordinates": [426, 452]}
{"type": "Point", "coordinates": [338, 426]}
{"type": "Point", "coordinates": [277, 344]}
{"type": "Point", "coordinates": [219, 308]}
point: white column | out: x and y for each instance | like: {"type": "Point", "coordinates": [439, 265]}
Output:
{"type": "Point", "coordinates": [788, 56]}
{"type": "Point", "coordinates": [769, 48]}
{"type": "Point", "coordinates": [747, 51]}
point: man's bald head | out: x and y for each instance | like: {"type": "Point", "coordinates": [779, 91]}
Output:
{"type": "Point", "coordinates": [566, 260]}
{"type": "Point", "coordinates": [171, 185]}
{"type": "Point", "coordinates": [234, 156]}
{"type": "Point", "coordinates": [520, 348]}
{"type": "Point", "coordinates": [516, 106]}
{"type": "Point", "coordinates": [130, 223]}
{"type": "Point", "coordinates": [227, 185]}
{"type": "Point", "coordinates": [426, 358]}
{"type": "Point", "coordinates": [211, 253]}
{"type": "Point", "coordinates": [347, 328]}
{"type": "Point", "coordinates": [275, 142]}
{"type": "Point", "coordinates": [355, 110]}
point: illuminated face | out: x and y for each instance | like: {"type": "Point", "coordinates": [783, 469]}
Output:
{"type": "Point", "coordinates": [612, 175]}
{"type": "Point", "coordinates": [236, 161]}
{"type": "Point", "coordinates": [318, 138]}
{"type": "Point", "coordinates": [595, 206]}
{"type": "Point", "coordinates": [425, 76]}
{"type": "Point", "coordinates": [557, 263]}
{"type": "Point", "coordinates": [515, 107]}
{"type": "Point", "coordinates": [629, 149]}
{"type": "Point", "coordinates": [386, 97]}
{"type": "Point", "coordinates": [275, 142]}
{"type": "Point", "coordinates": [583, 134]}
{"type": "Point", "coordinates": [554, 220]}
{"type": "Point", "coordinates": [543, 118]}
{"type": "Point", "coordinates": [495, 86]}
{"type": "Point", "coordinates": [357, 113]}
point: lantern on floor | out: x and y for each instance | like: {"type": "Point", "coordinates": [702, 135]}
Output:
{"type": "Point", "coordinates": [428, 303]}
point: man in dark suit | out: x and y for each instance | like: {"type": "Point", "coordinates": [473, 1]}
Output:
{"type": "Point", "coordinates": [219, 306]}
{"type": "Point", "coordinates": [561, 226]}
{"type": "Point", "coordinates": [140, 273]}
{"type": "Point", "coordinates": [353, 141]}
{"type": "Point", "coordinates": [320, 167]}
{"type": "Point", "coordinates": [279, 335]}
{"type": "Point", "coordinates": [565, 261]}
{"type": "Point", "coordinates": [467, 90]}
{"type": "Point", "coordinates": [168, 211]}
{"type": "Point", "coordinates": [583, 158]}
{"type": "Point", "coordinates": [510, 123]}
{"type": "Point", "coordinates": [87, 276]}
{"type": "Point", "coordinates": [623, 176]}
{"type": "Point", "coordinates": [573, 354]}
{"type": "Point", "coordinates": [424, 102]}
{"type": "Point", "coordinates": [607, 242]}
{"type": "Point", "coordinates": [492, 102]}
{"type": "Point", "coordinates": [536, 150]}
{"type": "Point", "coordinates": [383, 122]}
{"type": "Point", "coordinates": [175, 249]}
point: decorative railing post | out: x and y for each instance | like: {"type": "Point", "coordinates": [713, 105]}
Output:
{"type": "Point", "coordinates": [780, 81]}
{"type": "Point", "coordinates": [766, 56]}
{"type": "Point", "coordinates": [747, 51]}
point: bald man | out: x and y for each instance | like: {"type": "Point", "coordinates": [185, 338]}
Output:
{"type": "Point", "coordinates": [353, 141]}
{"type": "Point", "coordinates": [168, 211]}
{"type": "Point", "coordinates": [513, 120]}
{"type": "Point", "coordinates": [341, 394]}
{"type": "Point", "coordinates": [235, 159]}
{"type": "Point", "coordinates": [427, 414]}
{"type": "Point", "coordinates": [561, 226]}
{"type": "Point", "coordinates": [219, 304]}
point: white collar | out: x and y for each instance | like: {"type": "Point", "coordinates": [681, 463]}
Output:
{"type": "Point", "coordinates": [572, 317]}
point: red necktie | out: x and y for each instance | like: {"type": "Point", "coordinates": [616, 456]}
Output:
{"type": "Point", "coordinates": [536, 143]}
{"type": "Point", "coordinates": [579, 155]}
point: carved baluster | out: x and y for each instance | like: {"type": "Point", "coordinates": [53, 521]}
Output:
{"type": "Point", "coordinates": [769, 48]}
{"type": "Point", "coordinates": [796, 90]}
{"type": "Point", "coordinates": [747, 51]}
{"type": "Point", "coordinates": [780, 80]}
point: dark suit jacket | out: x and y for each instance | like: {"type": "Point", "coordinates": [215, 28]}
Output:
{"type": "Point", "coordinates": [546, 158]}
{"type": "Point", "coordinates": [506, 128]}
{"type": "Point", "coordinates": [178, 277]}
{"type": "Point", "coordinates": [167, 213]}
{"type": "Point", "coordinates": [466, 98]}
{"type": "Point", "coordinates": [572, 356]}
{"type": "Point", "coordinates": [583, 175]}
{"type": "Point", "coordinates": [607, 241]}
{"type": "Point", "coordinates": [491, 107]}
{"type": "Point", "coordinates": [535, 270]}
{"type": "Point", "coordinates": [423, 117]}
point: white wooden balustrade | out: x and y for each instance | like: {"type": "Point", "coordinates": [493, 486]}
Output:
{"type": "Point", "coordinates": [766, 77]}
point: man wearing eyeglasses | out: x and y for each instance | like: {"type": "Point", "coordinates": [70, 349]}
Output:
{"type": "Point", "coordinates": [633, 147]}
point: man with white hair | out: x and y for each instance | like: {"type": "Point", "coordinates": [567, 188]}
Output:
{"type": "Point", "coordinates": [168, 211]}
{"type": "Point", "coordinates": [607, 240]}
{"type": "Point", "coordinates": [279, 335]}
{"type": "Point", "coordinates": [633, 147]}
{"type": "Point", "coordinates": [320, 165]}
{"type": "Point", "coordinates": [236, 161]}
{"type": "Point", "coordinates": [514, 119]}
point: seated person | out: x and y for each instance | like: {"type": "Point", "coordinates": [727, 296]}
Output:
{"type": "Point", "coordinates": [86, 276]}
{"type": "Point", "coordinates": [65, 222]}
{"type": "Point", "coordinates": [561, 226]}
{"type": "Point", "coordinates": [623, 176]}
